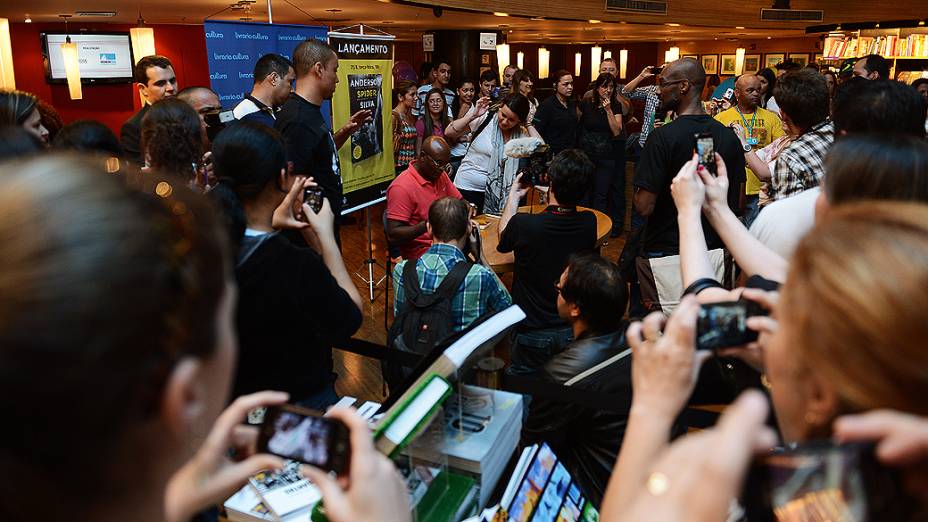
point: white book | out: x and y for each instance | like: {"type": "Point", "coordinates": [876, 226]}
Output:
{"type": "Point", "coordinates": [285, 492]}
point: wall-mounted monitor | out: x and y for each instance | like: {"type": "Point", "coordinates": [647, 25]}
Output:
{"type": "Point", "coordinates": [103, 57]}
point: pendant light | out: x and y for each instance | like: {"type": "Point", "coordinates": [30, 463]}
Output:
{"type": "Point", "coordinates": [7, 79]}
{"type": "Point", "coordinates": [623, 62]}
{"type": "Point", "coordinates": [71, 63]}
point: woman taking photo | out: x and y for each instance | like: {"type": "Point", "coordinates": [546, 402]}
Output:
{"type": "Point", "coordinates": [486, 173]}
{"type": "Point", "coordinates": [435, 117]}
{"type": "Point", "coordinates": [132, 287]}
{"type": "Point", "coordinates": [404, 125]}
{"type": "Point", "coordinates": [461, 106]}
{"type": "Point", "coordinates": [21, 109]}
{"type": "Point", "coordinates": [602, 138]}
{"type": "Point", "coordinates": [294, 301]}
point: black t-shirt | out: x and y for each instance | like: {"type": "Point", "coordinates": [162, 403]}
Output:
{"type": "Point", "coordinates": [542, 244]}
{"type": "Point", "coordinates": [666, 150]}
{"type": "Point", "coordinates": [311, 146]}
{"type": "Point", "coordinates": [557, 124]}
{"type": "Point", "coordinates": [290, 313]}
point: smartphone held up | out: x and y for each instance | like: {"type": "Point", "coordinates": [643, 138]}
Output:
{"type": "Point", "coordinates": [313, 197]}
{"type": "Point", "coordinates": [705, 149]}
{"type": "Point", "coordinates": [724, 325]}
{"type": "Point", "coordinates": [304, 435]}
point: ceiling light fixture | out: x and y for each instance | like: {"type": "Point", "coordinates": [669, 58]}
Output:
{"type": "Point", "coordinates": [544, 62]}
{"type": "Point", "coordinates": [595, 21]}
{"type": "Point", "coordinates": [497, 13]}
{"type": "Point", "coordinates": [28, 19]}
{"type": "Point", "coordinates": [623, 62]}
{"type": "Point", "coordinates": [673, 24]}
{"type": "Point", "coordinates": [71, 65]}
{"type": "Point", "coordinates": [596, 57]}
{"type": "Point", "coordinates": [7, 80]}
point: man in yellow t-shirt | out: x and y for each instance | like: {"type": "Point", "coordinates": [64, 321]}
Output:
{"type": "Point", "coordinates": [761, 127]}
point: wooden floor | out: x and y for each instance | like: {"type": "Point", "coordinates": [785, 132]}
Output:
{"type": "Point", "coordinates": [360, 376]}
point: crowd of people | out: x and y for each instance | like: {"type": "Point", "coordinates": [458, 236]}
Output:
{"type": "Point", "coordinates": [178, 272]}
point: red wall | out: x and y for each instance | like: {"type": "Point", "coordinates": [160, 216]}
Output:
{"type": "Point", "coordinates": [184, 45]}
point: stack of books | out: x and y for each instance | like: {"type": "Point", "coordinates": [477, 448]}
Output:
{"type": "Point", "coordinates": [482, 429]}
{"type": "Point", "coordinates": [280, 496]}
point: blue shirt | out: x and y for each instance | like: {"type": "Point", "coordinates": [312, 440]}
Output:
{"type": "Point", "coordinates": [480, 293]}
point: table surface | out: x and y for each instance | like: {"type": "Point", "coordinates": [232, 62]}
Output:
{"type": "Point", "coordinates": [489, 236]}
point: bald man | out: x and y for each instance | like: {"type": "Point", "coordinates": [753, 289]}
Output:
{"type": "Point", "coordinates": [412, 192]}
{"type": "Point", "coordinates": [667, 149]}
{"type": "Point", "coordinates": [756, 128]}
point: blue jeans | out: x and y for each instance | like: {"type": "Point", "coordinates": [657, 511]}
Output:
{"type": "Point", "coordinates": [751, 209]}
{"type": "Point", "coordinates": [532, 349]}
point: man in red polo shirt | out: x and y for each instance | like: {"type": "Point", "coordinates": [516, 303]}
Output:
{"type": "Point", "coordinates": [411, 194]}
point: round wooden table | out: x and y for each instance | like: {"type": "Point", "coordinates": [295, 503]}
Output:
{"type": "Point", "coordinates": [489, 236]}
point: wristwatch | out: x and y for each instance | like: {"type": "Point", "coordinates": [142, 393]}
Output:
{"type": "Point", "coordinates": [746, 148]}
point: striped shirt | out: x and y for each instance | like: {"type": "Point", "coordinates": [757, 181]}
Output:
{"type": "Point", "coordinates": [480, 293]}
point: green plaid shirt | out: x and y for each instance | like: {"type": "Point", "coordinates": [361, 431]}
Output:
{"type": "Point", "coordinates": [482, 292]}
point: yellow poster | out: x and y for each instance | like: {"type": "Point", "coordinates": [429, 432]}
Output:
{"type": "Point", "coordinates": [365, 68]}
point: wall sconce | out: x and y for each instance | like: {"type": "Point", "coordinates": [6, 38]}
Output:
{"type": "Point", "coordinates": [607, 54]}
{"type": "Point", "coordinates": [71, 65]}
{"type": "Point", "coordinates": [143, 41]}
{"type": "Point", "coordinates": [577, 59]}
{"type": "Point", "coordinates": [502, 57]}
{"type": "Point", "coordinates": [596, 57]}
{"type": "Point", "coordinates": [7, 79]}
{"type": "Point", "coordinates": [739, 61]}
{"type": "Point", "coordinates": [520, 60]}
{"type": "Point", "coordinates": [544, 62]}
{"type": "Point", "coordinates": [623, 62]}
{"type": "Point", "coordinates": [672, 55]}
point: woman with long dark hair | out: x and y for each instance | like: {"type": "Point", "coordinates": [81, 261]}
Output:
{"type": "Point", "coordinates": [434, 117]}
{"type": "Point", "coordinates": [524, 83]}
{"type": "Point", "coordinates": [21, 109]}
{"type": "Point", "coordinates": [768, 80]}
{"type": "Point", "coordinates": [602, 137]}
{"type": "Point", "coordinates": [404, 125]}
{"type": "Point", "coordinates": [294, 301]}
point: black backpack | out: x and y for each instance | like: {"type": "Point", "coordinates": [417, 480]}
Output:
{"type": "Point", "coordinates": [425, 320]}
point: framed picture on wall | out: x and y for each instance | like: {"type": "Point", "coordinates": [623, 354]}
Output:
{"type": "Point", "coordinates": [801, 58]}
{"type": "Point", "coordinates": [728, 65]}
{"type": "Point", "coordinates": [751, 63]}
{"type": "Point", "coordinates": [773, 59]}
{"type": "Point", "coordinates": [710, 62]}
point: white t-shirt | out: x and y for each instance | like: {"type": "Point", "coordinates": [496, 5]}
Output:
{"type": "Point", "coordinates": [472, 174]}
{"type": "Point", "coordinates": [772, 106]}
{"type": "Point", "coordinates": [781, 224]}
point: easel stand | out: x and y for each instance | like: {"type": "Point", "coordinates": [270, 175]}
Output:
{"type": "Point", "coordinates": [370, 262]}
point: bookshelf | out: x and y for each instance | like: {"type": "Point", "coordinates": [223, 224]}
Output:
{"type": "Point", "coordinates": [906, 48]}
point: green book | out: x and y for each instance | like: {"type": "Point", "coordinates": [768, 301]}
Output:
{"type": "Point", "coordinates": [450, 497]}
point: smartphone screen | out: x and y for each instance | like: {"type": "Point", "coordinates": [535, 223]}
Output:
{"type": "Point", "coordinates": [705, 149]}
{"type": "Point", "coordinates": [723, 325]}
{"type": "Point", "coordinates": [823, 481]}
{"type": "Point", "coordinates": [299, 434]}
{"type": "Point", "coordinates": [312, 196]}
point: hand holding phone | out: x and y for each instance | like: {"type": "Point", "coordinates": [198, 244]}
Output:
{"type": "Point", "coordinates": [313, 196]}
{"type": "Point", "coordinates": [705, 149]}
{"type": "Point", "coordinates": [304, 435]}
{"type": "Point", "coordinates": [723, 325]}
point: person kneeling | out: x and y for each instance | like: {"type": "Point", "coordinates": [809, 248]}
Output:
{"type": "Point", "coordinates": [592, 297]}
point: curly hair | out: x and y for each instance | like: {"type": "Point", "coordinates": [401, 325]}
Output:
{"type": "Point", "coordinates": [172, 137]}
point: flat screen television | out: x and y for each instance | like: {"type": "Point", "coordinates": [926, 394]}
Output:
{"type": "Point", "coordinates": [103, 57]}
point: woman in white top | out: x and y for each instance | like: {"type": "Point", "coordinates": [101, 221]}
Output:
{"type": "Point", "coordinates": [486, 173]}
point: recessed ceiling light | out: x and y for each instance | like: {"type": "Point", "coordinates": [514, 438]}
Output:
{"type": "Point", "coordinates": [672, 24]}
{"type": "Point", "coordinates": [497, 13]}
{"type": "Point", "coordinates": [28, 20]}
{"type": "Point", "coordinates": [333, 10]}
{"type": "Point", "coordinates": [384, 1]}
{"type": "Point", "coordinates": [595, 21]}
{"type": "Point", "coordinates": [739, 27]}
{"type": "Point", "coordinates": [770, 38]}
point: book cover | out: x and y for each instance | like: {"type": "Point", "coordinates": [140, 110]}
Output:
{"type": "Point", "coordinates": [285, 492]}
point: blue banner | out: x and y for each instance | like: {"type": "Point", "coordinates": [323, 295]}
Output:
{"type": "Point", "coordinates": [233, 48]}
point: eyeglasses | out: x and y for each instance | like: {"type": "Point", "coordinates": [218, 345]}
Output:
{"type": "Point", "coordinates": [663, 83]}
{"type": "Point", "coordinates": [446, 167]}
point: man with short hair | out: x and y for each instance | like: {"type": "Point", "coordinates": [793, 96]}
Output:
{"type": "Point", "coordinates": [273, 79]}
{"type": "Point", "coordinates": [872, 67]}
{"type": "Point", "coordinates": [782, 68]}
{"type": "Point", "coordinates": [761, 128]}
{"type": "Point", "coordinates": [921, 87]}
{"type": "Point", "coordinates": [862, 106]}
{"type": "Point", "coordinates": [542, 244]}
{"type": "Point", "coordinates": [803, 98]}
{"type": "Point", "coordinates": [155, 79]}
{"type": "Point", "coordinates": [592, 298]}
{"type": "Point", "coordinates": [442, 80]}
{"type": "Point", "coordinates": [488, 81]}
{"type": "Point", "coordinates": [608, 66]}
{"type": "Point", "coordinates": [451, 230]}
{"type": "Point", "coordinates": [508, 71]}
{"type": "Point", "coordinates": [668, 148]}
{"type": "Point", "coordinates": [411, 194]}
{"type": "Point", "coordinates": [311, 144]}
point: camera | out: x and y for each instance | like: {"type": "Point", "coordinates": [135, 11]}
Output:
{"type": "Point", "coordinates": [495, 93]}
{"type": "Point", "coordinates": [723, 325]}
{"type": "Point", "coordinates": [297, 433]}
{"type": "Point", "coordinates": [534, 169]}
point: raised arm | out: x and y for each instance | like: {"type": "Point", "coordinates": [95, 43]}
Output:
{"type": "Point", "coordinates": [633, 84]}
{"type": "Point", "coordinates": [750, 254]}
{"type": "Point", "coordinates": [460, 126]}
